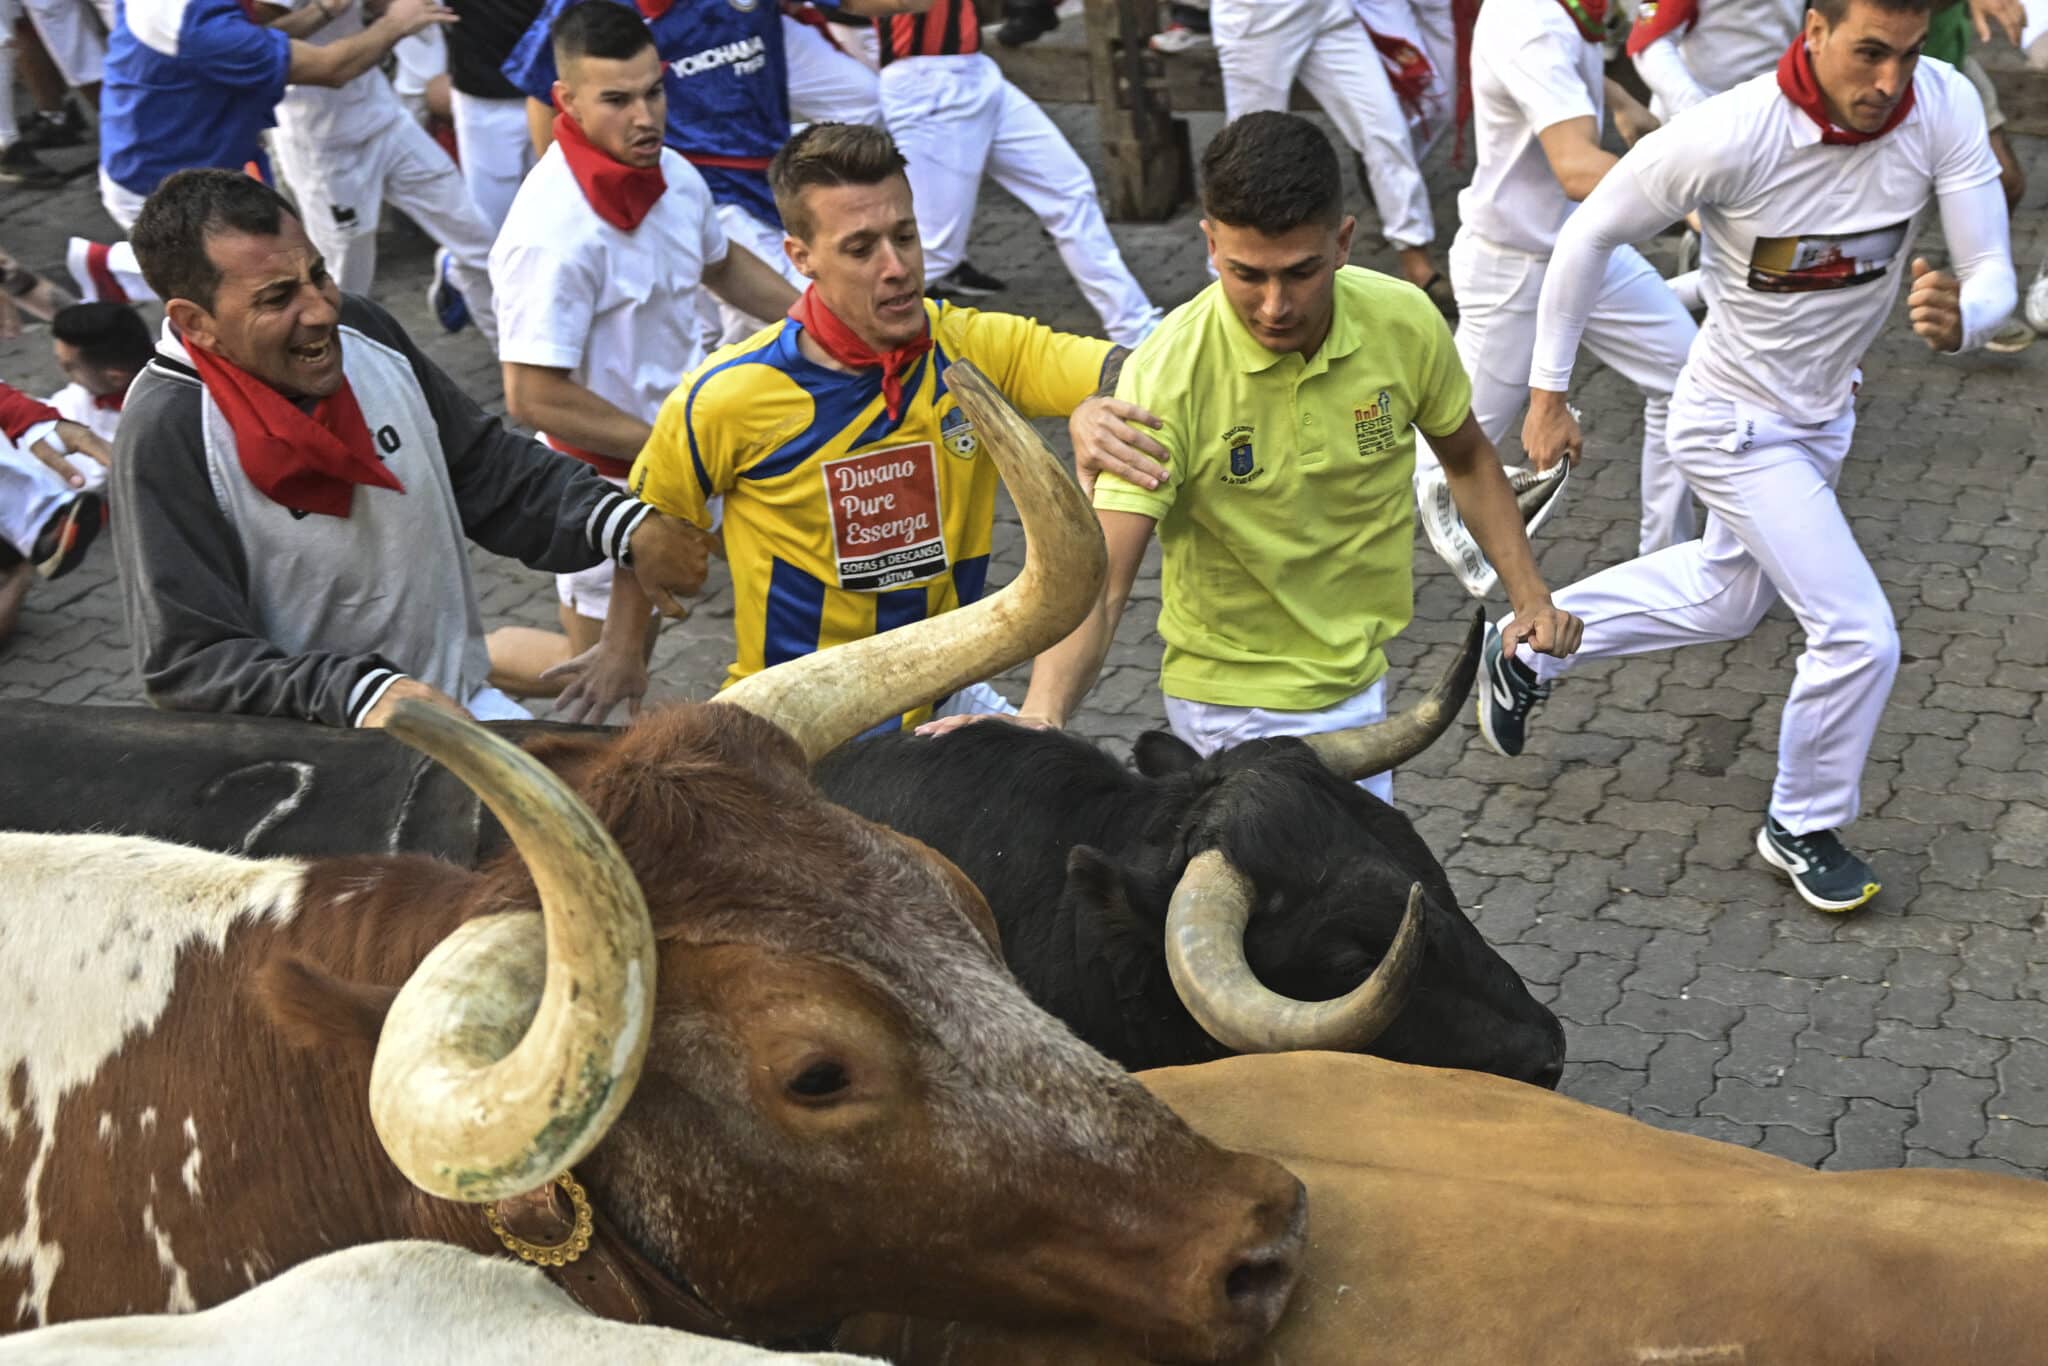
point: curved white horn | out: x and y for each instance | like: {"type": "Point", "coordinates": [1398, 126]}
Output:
{"type": "Point", "coordinates": [1378, 746]}
{"type": "Point", "coordinates": [1205, 925]}
{"type": "Point", "coordinates": [516, 1042]}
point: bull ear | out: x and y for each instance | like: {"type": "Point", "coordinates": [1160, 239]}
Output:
{"type": "Point", "coordinates": [1159, 754]}
{"type": "Point", "coordinates": [312, 1008]}
{"type": "Point", "coordinates": [1097, 886]}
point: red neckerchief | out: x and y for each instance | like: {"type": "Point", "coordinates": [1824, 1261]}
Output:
{"type": "Point", "coordinates": [1796, 79]}
{"type": "Point", "coordinates": [109, 403]}
{"type": "Point", "coordinates": [844, 345]}
{"type": "Point", "coordinates": [19, 412]}
{"type": "Point", "coordinates": [1660, 17]}
{"type": "Point", "coordinates": [1408, 71]}
{"type": "Point", "coordinates": [1464, 14]}
{"type": "Point", "coordinates": [650, 10]}
{"type": "Point", "coordinates": [621, 195]}
{"type": "Point", "coordinates": [1590, 16]}
{"type": "Point", "coordinates": [308, 462]}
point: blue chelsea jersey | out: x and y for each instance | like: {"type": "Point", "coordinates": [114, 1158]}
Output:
{"type": "Point", "coordinates": [727, 83]}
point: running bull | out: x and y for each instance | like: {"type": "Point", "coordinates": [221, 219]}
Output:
{"type": "Point", "coordinates": [765, 1050]}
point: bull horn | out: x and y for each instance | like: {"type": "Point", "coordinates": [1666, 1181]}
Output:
{"type": "Point", "coordinates": [1365, 750]}
{"type": "Point", "coordinates": [1205, 925]}
{"type": "Point", "coordinates": [827, 698]}
{"type": "Point", "coordinates": [516, 1042]}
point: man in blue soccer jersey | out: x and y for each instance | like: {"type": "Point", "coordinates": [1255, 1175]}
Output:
{"type": "Point", "coordinates": [856, 495]}
{"type": "Point", "coordinates": [728, 106]}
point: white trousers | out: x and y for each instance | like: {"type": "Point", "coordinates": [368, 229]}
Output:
{"type": "Point", "coordinates": [121, 203]}
{"type": "Point", "coordinates": [31, 493]}
{"type": "Point", "coordinates": [1264, 45]}
{"type": "Point", "coordinates": [497, 152]}
{"type": "Point", "coordinates": [1773, 530]}
{"type": "Point", "coordinates": [1426, 26]}
{"type": "Point", "coordinates": [1209, 726]}
{"type": "Point", "coordinates": [75, 32]}
{"type": "Point", "coordinates": [342, 191]}
{"type": "Point", "coordinates": [825, 84]}
{"type": "Point", "coordinates": [722, 323]}
{"type": "Point", "coordinates": [1638, 327]}
{"type": "Point", "coordinates": [956, 117]}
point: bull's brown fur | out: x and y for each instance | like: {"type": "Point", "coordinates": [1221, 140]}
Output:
{"type": "Point", "coordinates": [983, 1158]}
{"type": "Point", "coordinates": [1464, 1220]}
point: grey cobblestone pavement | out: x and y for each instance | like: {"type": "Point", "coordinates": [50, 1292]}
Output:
{"type": "Point", "coordinates": [1612, 862]}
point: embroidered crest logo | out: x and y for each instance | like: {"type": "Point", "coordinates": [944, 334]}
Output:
{"type": "Point", "coordinates": [956, 432]}
{"type": "Point", "coordinates": [1244, 461]}
{"type": "Point", "coordinates": [1373, 425]}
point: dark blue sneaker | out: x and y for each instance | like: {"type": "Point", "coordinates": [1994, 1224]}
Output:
{"type": "Point", "coordinates": [444, 298]}
{"type": "Point", "coordinates": [1827, 876]}
{"type": "Point", "coordinates": [1508, 692]}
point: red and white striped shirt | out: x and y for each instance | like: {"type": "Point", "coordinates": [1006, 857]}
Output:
{"type": "Point", "coordinates": [949, 28]}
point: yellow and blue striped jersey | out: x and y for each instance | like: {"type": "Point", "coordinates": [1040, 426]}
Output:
{"type": "Point", "coordinates": [839, 522]}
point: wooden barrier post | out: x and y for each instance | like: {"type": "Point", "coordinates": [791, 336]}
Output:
{"type": "Point", "coordinates": [1145, 149]}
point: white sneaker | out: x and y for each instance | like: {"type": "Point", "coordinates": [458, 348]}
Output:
{"type": "Point", "coordinates": [2037, 301]}
{"type": "Point", "coordinates": [2010, 339]}
{"type": "Point", "coordinates": [1175, 39]}
{"type": "Point", "coordinates": [1536, 494]}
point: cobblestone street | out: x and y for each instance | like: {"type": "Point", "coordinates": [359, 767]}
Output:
{"type": "Point", "coordinates": [1613, 862]}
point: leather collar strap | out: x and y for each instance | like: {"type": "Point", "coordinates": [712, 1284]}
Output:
{"type": "Point", "coordinates": [611, 1279]}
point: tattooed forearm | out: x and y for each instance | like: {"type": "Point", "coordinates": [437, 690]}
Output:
{"type": "Point", "coordinates": [1112, 368]}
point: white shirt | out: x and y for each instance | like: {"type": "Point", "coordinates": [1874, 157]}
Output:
{"type": "Point", "coordinates": [616, 309]}
{"type": "Point", "coordinates": [77, 406]}
{"type": "Point", "coordinates": [334, 121]}
{"type": "Point", "coordinates": [1809, 242]}
{"type": "Point", "coordinates": [1730, 41]}
{"type": "Point", "coordinates": [1530, 71]}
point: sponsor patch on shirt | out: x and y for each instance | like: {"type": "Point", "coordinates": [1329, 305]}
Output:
{"type": "Point", "coordinates": [1815, 261]}
{"type": "Point", "coordinates": [1244, 461]}
{"type": "Point", "coordinates": [1373, 425]}
{"type": "Point", "coordinates": [885, 517]}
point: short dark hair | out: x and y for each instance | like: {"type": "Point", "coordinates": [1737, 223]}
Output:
{"type": "Point", "coordinates": [171, 231]}
{"type": "Point", "coordinates": [829, 154]}
{"type": "Point", "coordinates": [1835, 11]}
{"type": "Point", "coordinates": [1273, 172]}
{"type": "Point", "coordinates": [599, 28]}
{"type": "Point", "coordinates": [105, 334]}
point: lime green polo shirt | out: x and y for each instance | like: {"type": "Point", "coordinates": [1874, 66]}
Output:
{"type": "Point", "coordinates": [1288, 523]}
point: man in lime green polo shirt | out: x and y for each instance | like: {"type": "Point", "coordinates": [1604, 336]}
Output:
{"type": "Point", "coordinates": [1285, 398]}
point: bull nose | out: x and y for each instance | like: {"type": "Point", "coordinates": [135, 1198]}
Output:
{"type": "Point", "coordinates": [1549, 1074]}
{"type": "Point", "coordinates": [1261, 1279]}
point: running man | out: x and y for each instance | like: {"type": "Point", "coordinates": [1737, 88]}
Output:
{"type": "Point", "coordinates": [1809, 185]}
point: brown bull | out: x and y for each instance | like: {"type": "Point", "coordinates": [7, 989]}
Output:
{"type": "Point", "coordinates": [775, 1041]}
{"type": "Point", "coordinates": [1464, 1220]}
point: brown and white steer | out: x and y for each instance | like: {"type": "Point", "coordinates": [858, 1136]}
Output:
{"type": "Point", "coordinates": [209, 1073]}
{"type": "Point", "coordinates": [1465, 1220]}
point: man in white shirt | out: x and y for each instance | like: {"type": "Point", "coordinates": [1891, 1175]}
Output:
{"type": "Point", "coordinates": [1809, 186]}
{"type": "Point", "coordinates": [1687, 50]}
{"type": "Point", "coordinates": [598, 271]}
{"type": "Point", "coordinates": [348, 151]}
{"type": "Point", "coordinates": [101, 347]}
{"type": "Point", "coordinates": [1538, 90]}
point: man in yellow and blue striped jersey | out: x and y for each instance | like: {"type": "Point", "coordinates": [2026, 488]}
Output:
{"type": "Point", "coordinates": [856, 496]}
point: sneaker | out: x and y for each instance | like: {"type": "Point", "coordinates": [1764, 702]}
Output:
{"type": "Point", "coordinates": [1508, 693]}
{"type": "Point", "coordinates": [2037, 301]}
{"type": "Point", "coordinates": [1027, 24]}
{"type": "Point", "coordinates": [2010, 339]}
{"type": "Point", "coordinates": [46, 130]}
{"type": "Point", "coordinates": [444, 298]}
{"type": "Point", "coordinates": [1827, 876]}
{"type": "Point", "coordinates": [964, 282]}
{"type": "Point", "coordinates": [21, 166]}
{"type": "Point", "coordinates": [66, 536]}
{"type": "Point", "coordinates": [1175, 39]}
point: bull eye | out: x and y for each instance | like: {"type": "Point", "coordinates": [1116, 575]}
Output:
{"type": "Point", "coordinates": [820, 1081]}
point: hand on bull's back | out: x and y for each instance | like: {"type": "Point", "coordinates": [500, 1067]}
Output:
{"type": "Point", "coordinates": [943, 724]}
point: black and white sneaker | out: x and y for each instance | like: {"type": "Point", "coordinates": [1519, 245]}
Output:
{"type": "Point", "coordinates": [1827, 876]}
{"type": "Point", "coordinates": [1508, 692]}
{"type": "Point", "coordinates": [965, 282]}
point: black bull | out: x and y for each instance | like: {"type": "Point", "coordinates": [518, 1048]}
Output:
{"type": "Point", "coordinates": [1076, 854]}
